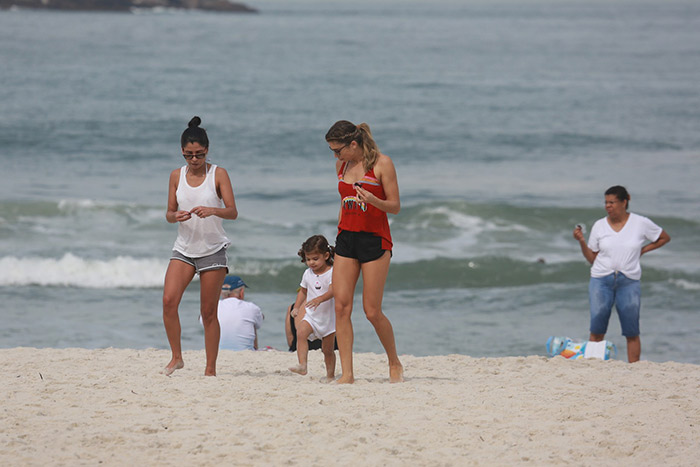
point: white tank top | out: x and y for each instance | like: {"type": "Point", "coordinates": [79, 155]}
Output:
{"type": "Point", "coordinates": [197, 237]}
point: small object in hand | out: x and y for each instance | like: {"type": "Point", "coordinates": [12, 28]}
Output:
{"type": "Point", "coordinates": [358, 184]}
{"type": "Point", "coordinates": [582, 227]}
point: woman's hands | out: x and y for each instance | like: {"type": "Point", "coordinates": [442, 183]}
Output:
{"type": "Point", "coordinates": [589, 254]}
{"type": "Point", "coordinates": [178, 216]}
{"type": "Point", "coordinates": [199, 211]}
{"type": "Point", "coordinates": [204, 211]}
{"type": "Point", "coordinates": [363, 195]}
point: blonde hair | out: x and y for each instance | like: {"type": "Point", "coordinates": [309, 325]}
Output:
{"type": "Point", "coordinates": [346, 132]}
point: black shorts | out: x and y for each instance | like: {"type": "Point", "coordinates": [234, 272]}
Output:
{"type": "Point", "coordinates": [362, 246]}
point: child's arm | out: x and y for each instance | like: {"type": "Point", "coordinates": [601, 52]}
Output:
{"type": "Point", "coordinates": [321, 298]}
{"type": "Point", "coordinates": [299, 304]}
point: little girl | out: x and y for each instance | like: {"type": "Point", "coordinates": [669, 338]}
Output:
{"type": "Point", "coordinates": [316, 316]}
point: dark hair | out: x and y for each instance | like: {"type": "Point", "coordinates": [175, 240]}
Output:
{"type": "Point", "coordinates": [620, 192]}
{"type": "Point", "coordinates": [316, 244]}
{"type": "Point", "coordinates": [346, 132]}
{"type": "Point", "coordinates": [194, 134]}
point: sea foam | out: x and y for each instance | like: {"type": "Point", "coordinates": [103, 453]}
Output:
{"type": "Point", "coordinates": [73, 271]}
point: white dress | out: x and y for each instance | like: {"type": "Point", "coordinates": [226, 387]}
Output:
{"type": "Point", "coordinates": [322, 318]}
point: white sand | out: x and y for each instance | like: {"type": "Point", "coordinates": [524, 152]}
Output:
{"type": "Point", "coordinates": [112, 407]}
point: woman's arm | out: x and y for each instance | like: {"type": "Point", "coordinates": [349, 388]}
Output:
{"type": "Point", "coordinates": [663, 239]}
{"type": "Point", "coordinates": [589, 254]}
{"type": "Point", "coordinates": [386, 174]}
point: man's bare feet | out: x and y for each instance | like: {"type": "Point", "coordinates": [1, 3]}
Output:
{"type": "Point", "coordinates": [396, 374]}
{"type": "Point", "coordinates": [172, 366]}
{"type": "Point", "coordinates": [299, 369]}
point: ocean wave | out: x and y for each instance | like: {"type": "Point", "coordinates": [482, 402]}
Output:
{"type": "Point", "coordinates": [685, 284]}
{"type": "Point", "coordinates": [73, 271]}
{"type": "Point", "coordinates": [432, 234]}
{"type": "Point", "coordinates": [537, 140]}
{"type": "Point", "coordinates": [26, 211]}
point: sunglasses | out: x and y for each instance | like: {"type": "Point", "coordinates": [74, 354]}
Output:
{"type": "Point", "coordinates": [337, 151]}
{"type": "Point", "coordinates": [200, 155]}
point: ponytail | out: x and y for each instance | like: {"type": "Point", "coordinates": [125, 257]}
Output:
{"type": "Point", "coordinates": [370, 150]}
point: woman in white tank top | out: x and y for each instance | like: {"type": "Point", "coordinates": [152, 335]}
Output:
{"type": "Point", "coordinates": [199, 198]}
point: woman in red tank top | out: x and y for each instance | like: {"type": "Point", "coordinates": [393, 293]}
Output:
{"type": "Point", "coordinates": [369, 190]}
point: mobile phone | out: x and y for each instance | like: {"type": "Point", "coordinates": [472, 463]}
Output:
{"type": "Point", "coordinates": [358, 184]}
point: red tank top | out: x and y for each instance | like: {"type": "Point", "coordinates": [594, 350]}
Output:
{"type": "Point", "coordinates": [362, 217]}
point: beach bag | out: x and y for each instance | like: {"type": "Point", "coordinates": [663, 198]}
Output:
{"type": "Point", "coordinates": [575, 349]}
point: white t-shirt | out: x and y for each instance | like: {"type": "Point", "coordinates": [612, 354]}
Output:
{"type": "Point", "coordinates": [322, 318]}
{"type": "Point", "coordinates": [620, 251]}
{"type": "Point", "coordinates": [238, 320]}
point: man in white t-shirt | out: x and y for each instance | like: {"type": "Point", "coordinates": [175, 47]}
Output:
{"type": "Point", "coordinates": [239, 320]}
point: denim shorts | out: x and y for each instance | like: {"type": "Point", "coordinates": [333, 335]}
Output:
{"type": "Point", "coordinates": [621, 291]}
{"type": "Point", "coordinates": [216, 260]}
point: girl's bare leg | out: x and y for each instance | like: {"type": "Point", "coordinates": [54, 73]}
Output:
{"type": "Point", "coordinates": [374, 276]}
{"type": "Point", "coordinates": [327, 347]}
{"type": "Point", "coordinates": [346, 271]}
{"type": "Point", "coordinates": [177, 277]}
{"type": "Point", "coordinates": [303, 332]}
{"type": "Point", "coordinates": [210, 283]}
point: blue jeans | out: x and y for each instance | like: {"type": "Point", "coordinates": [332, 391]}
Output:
{"type": "Point", "coordinates": [621, 291]}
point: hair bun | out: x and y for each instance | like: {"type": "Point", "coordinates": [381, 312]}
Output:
{"type": "Point", "coordinates": [195, 122]}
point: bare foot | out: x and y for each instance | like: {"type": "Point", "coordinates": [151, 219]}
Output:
{"type": "Point", "coordinates": [328, 379]}
{"type": "Point", "coordinates": [172, 366]}
{"type": "Point", "coordinates": [299, 369]}
{"type": "Point", "coordinates": [209, 373]}
{"type": "Point", "coordinates": [396, 374]}
{"type": "Point", "coordinates": [345, 379]}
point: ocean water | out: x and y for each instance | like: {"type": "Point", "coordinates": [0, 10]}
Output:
{"type": "Point", "coordinates": [506, 120]}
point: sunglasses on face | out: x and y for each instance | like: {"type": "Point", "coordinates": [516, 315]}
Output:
{"type": "Point", "coordinates": [337, 151]}
{"type": "Point", "coordinates": [199, 155]}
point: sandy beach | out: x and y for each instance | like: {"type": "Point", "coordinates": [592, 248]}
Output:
{"type": "Point", "coordinates": [112, 407]}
